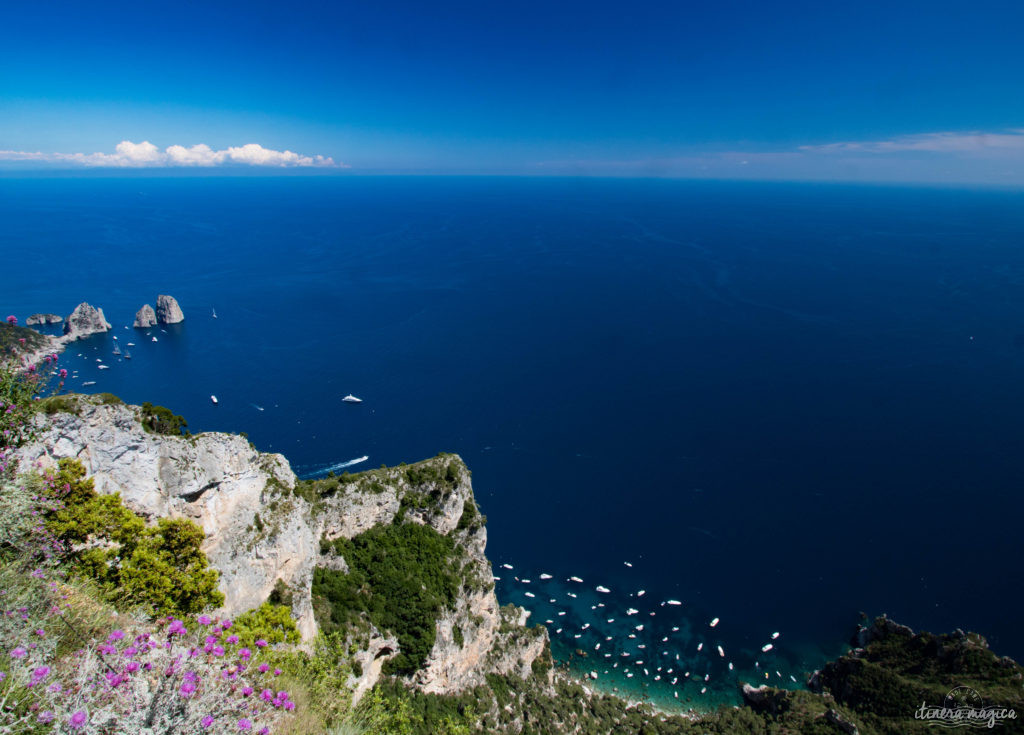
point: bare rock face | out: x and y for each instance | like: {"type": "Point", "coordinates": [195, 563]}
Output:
{"type": "Point", "coordinates": [85, 320]}
{"type": "Point", "coordinates": [43, 319]}
{"type": "Point", "coordinates": [145, 317]}
{"type": "Point", "coordinates": [167, 310]}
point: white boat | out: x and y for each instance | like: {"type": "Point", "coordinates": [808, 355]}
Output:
{"type": "Point", "coordinates": [351, 399]}
{"type": "Point", "coordinates": [713, 623]}
{"type": "Point", "coordinates": [89, 382]}
{"type": "Point", "coordinates": [774, 636]}
{"type": "Point", "coordinates": [214, 314]}
{"type": "Point", "coordinates": [767, 647]}
{"type": "Point", "coordinates": [603, 589]}
{"type": "Point", "coordinates": [131, 344]}
{"type": "Point", "coordinates": [154, 339]}
{"type": "Point", "coordinates": [545, 576]}
{"type": "Point", "coordinates": [575, 579]}
{"type": "Point", "coordinates": [673, 602]}
{"type": "Point", "coordinates": [103, 367]}
{"type": "Point", "coordinates": [127, 355]}
{"type": "Point", "coordinates": [213, 398]}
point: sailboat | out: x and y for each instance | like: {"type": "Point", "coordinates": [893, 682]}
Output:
{"type": "Point", "coordinates": [127, 355]}
{"type": "Point", "coordinates": [117, 349]}
{"type": "Point", "coordinates": [214, 313]}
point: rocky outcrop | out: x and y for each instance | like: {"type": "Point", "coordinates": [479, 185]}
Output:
{"type": "Point", "coordinates": [217, 480]}
{"type": "Point", "coordinates": [85, 320]}
{"type": "Point", "coordinates": [35, 319]}
{"type": "Point", "coordinates": [262, 529]}
{"type": "Point", "coordinates": [167, 310]}
{"type": "Point", "coordinates": [145, 317]}
{"type": "Point", "coordinates": [476, 637]}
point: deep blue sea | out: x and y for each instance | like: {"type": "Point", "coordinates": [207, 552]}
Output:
{"type": "Point", "coordinates": [782, 404]}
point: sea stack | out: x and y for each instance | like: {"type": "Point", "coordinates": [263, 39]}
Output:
{"type": "Point", "coordinates": [43, 319]}
{"type": "Point", "coordinates": [85, 320]}
{"type": "Point", "coordinates": [145, 317]}
{"type": "Point", "coordinates": [167, 310]}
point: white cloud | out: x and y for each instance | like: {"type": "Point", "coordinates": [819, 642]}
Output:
{"type": "Point", "coordinates": [146, 155]}
{"type": "Point", "coordinates": [948, 142]}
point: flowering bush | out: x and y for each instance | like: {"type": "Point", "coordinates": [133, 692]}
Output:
{"type": "Point", "coordinates": [159, 678]}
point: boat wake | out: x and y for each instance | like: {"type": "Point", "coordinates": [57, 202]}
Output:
{"type": "Point", "coordinates": [323, 470]}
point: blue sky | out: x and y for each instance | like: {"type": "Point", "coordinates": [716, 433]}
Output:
{"type": "Point", "coordinates": [897, 91]}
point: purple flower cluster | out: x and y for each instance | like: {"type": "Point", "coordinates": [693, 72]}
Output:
{"type": "Point", "coordinates": [210, 680]}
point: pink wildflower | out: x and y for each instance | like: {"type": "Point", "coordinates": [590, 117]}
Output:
{"type": "Point", "coordinates": [77, 720]}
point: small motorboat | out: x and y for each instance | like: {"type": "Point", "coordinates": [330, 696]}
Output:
{"type": "Point", "coordinates": [214, 399]}
{"type": "Point", "coordinates": [351, 399]}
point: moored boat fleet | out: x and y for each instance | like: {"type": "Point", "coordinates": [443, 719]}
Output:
{"type": "Point", "coordinates": [651, 651]}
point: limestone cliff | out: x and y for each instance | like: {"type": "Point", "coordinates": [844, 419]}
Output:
{"type": "Point", "coordinates": [85, 320]}
{"type": "Point", "coordinates": [265, 528]}
{"type": "Point", "coordinates": [167, 310]}
{"type": "Point", "coordinates": [145, 317]}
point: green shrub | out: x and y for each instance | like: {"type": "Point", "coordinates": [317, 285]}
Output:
{"type": "Point", "coordinates": [161, 420]}
{"type": "Point", "coordinates": [469, 515]}
{"type": "Point", "coordinates": [272, 623]}
{"type": "Point", "coordinates": [401, 577]}
{"type": "Point", "coordinates": [161, 567]}
{"type": "Point", "coordinates": [281, 594]}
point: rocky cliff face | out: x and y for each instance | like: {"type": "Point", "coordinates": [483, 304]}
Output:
{"type": "Point", "coordinates": [222, 483]}
{"type": "Point", "coordinates": [167, 310]}
{"type": "Point", "coordinates": [145, 317]}
{"type": "Point", "coordinates": [35, 319]}
{"type": "Point", "coordinates": [85, 320]}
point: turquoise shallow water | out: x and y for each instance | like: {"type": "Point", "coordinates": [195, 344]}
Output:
{"type": "Point", "coordinates": [784, 404]}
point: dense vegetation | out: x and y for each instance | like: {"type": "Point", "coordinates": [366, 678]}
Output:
{"type": "Point", "coordinates": [400, 576]}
